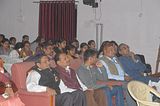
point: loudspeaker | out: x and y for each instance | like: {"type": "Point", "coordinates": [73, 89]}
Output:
{"type": "Point", "coordinates": [95, 5]}
{"type": "Point", "coordinates": [90, 3]}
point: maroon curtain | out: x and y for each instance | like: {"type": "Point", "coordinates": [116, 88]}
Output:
{"type": "Point", "coordinates": [57, 20]}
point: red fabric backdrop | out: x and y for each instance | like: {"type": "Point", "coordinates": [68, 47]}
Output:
{"type": "Point", "coordinates": [57, 20]}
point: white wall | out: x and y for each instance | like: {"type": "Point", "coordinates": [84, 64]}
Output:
{"type": "Point", "coordinates": [123, 23]}
{"type": "Point", "coordinates": [120, 19]}
{"type": "Point", "coordinates": [19, 17]}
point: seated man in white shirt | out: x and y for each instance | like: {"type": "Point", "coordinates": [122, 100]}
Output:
{"type": "Point", "coordinates": [42, 78]}
{"type": "Point", "coordinates": [69, 80]}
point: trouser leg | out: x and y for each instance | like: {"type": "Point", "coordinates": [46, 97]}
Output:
{"type": "Point", "coordinates": [108, 95]}
{"type": "Point", "coordinates": [118, 92]}
{"type": "Point", "coordinates": [90, 98]}
{"type": "Point", "coordinates": [100, 98]}
{"type": "Point", "coordinates": [64, 99]}
{"type": "Point", "coordinates": [79, 98]}
{"type": "Point", "coordinates": [129, 100]}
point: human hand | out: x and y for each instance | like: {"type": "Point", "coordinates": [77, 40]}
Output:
{"type": "Point", "coordinates": [9, 91]}
{"type": "Point", "coordinates": [131, 54]}
{"type": "Point", "coordinates": [111, 87]}
{"type": "Point", "coordinates": [51, 91]}
{"type": "Point", "coordinates": [99, 64]}
{"type": "Point", "coordinates": [127, 78]}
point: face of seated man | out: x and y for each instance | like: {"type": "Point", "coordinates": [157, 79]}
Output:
{"type": "Point", "coordinates": [124, 50]}
{"type": "Point", "coordinates": [109, 51]}
{"type": "Point", "coordinates": [63, 60]}
{"type": "Point", "coordinates": [44, 62]}
{"type": "Point", "coordinates": [49, 50]}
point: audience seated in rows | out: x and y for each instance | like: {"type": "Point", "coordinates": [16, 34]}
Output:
{"type": "Point", "coordinates": [119, 70]}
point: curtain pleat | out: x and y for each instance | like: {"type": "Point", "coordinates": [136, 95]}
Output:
{"type": "Point", "coordinates": [57, 20]}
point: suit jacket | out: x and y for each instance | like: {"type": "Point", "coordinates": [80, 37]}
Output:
{"type": "Point", "coordinates": [111, 66]}
{"type": "Point", "coordinates": [69, 78]}
{"type": "Point", "coordinates": [89, 77]}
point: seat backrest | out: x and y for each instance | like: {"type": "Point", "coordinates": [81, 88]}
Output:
{"type": "Point", "coordinates": [142, 58]}
{"type": "Point", "coordinates": [138, 90]}
{"type": "Point", "coordinates": [19, 73]}
{"type": "Point", "coordinates": [141, 93]}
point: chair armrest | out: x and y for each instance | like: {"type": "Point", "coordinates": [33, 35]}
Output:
{"type": "Point", "coordinates": [154, 92]}
{"type": "Point", "coordinates": [42, 97]}
{"type": "Point", "coordinates": [25, 92]}
{"type": "Point", "coordinates": [149, 103]}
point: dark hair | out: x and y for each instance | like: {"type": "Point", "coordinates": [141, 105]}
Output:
{"type": "Point", "coordinates": [83, 44]}
{"type": "Point", "coordinates": [39, 59]}
{"type": "Point", "coordinates": [46, 44]}
{"type": "Point", "coordinates": [5, 40]}
{"type": "Point", "coordinates": [24, 36]}
{"type": "Point", "coordinates": [89, 53]}
{"type": "Point", "coordinates": [101, 47]}
{"type": "Point", "coordinates": [25, 43]}
{"type": "Point", "coordinates": [38, 39]}
{"type": "Point", "coordinates": [57, 56]}
{"type": "Point", "coordinates": [75, 40]}
{"type": "Point", "coordinates": [18, 45]}
{"type": "Point", "coordinates": [2, 35]}
{"type": "Point", "coordinates": [11, 38]}
{"type": "Point", "coordinates": [61, 40]}
{"type": "Point", "coordinates": [90, 41]}
{"type": "Point", "coordinates": [70, 47]}
{"type": "Point", "coordinates": [114, 42]}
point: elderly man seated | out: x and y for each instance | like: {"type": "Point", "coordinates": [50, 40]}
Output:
{"type": "Point", "coordinates": [132, 65]}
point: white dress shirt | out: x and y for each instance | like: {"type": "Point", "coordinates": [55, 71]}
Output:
{"type": "Point", "coordinates": [32, 82]}
{"type": "Point", "coordinates": [33, 86]}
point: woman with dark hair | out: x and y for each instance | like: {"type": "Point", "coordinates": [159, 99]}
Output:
{"type": "Point", "coordinates": [61, 46]}
{"type": "Point", "coordinates": [83, 48]}
{"type": "Point", "coordinates": [71, 52]}
{"type": "Point", "coordinates": [26, 50]}
{"type": "Point", "coordinates": [12, 41]}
